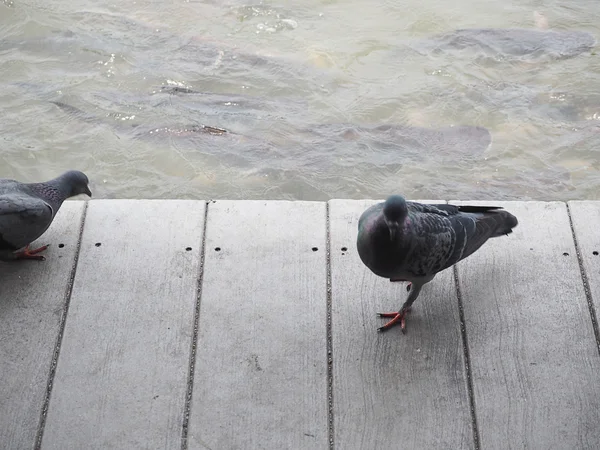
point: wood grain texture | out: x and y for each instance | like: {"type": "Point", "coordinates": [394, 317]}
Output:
{"type": "Point", "coordinates": [122, 371]}
{"type": "Point", "coordinates": [261, 366]}
{"type": "Point", "coordinates": [393, 390]}
{"type": "Point", "coordinates": [32, 301]}
{"type": "Point", "coordinates": [534, 359]}
{"type": "Point", "coordinates": [586, 224]}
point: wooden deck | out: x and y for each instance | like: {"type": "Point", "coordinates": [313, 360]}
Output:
{"type": "Point", "coordinates": [252, 325]}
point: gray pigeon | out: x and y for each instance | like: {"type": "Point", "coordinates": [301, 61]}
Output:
{"type": "Point", "coordinates": [28, 209]}
{"type": "Point", "coordinates": [408, 241]}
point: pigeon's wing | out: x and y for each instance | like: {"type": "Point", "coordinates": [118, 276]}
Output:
{"type": "Point", "coordinates": [427, 247]}
{"type": "Point", "coordinates": [22, 220]}
{"type": "Point", "coordinates": [473, 226]}
{"type": "Point", "coordinates": [443, 234]}
{"type": "Point", "coordinates": [440, 209]}
{"type": "Point", "coordinates": [446, 210]}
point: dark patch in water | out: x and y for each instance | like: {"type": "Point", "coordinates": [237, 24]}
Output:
{"type": "Point", "coordinates": [320, 147]}
{"type": "Point", "coordinates": [389, 145]}
{"type": "Point", "coordinates": [511, 43]}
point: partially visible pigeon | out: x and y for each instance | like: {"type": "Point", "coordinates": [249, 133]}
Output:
{"type": "Point", "coordinates": [408, 241]}
{"type": "Point", "coordinates": [28, 209]}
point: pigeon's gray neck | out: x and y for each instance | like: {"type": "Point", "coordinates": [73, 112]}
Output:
{"type": "Point", "coordinates": [54, 192]}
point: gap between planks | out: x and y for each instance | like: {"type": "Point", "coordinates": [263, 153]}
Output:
{"type": "Point", "coordinates": [586, 284]}
{"type": "Point", "coordinates": [194, 342]}
{"type": "Point", "coordinates": [63, 321]}
{"type": "Point", "coordinates": [328, 328]}
{"type": "Point", "coordinates": [467, 359]}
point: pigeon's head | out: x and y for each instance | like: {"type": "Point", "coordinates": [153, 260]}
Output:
{"type": "Point", "coordinates": [394, 213]}
{"type": "Point", "coordinates": [77, 183]}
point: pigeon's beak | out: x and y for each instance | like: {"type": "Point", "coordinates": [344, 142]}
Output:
{"type": "Point", "coordinates": [393, 227]}
{"type": "Point", "coordinates": [87, 191]}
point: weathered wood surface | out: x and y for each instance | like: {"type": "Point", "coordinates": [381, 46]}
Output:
{"type": "Point", "coordinates": [33, 296]}
{"type": "Point", "coordinates": [534, 359]}
{"type": "Point", "coordinates": [392, 390]}
{"type": "Point", "coordinates": [122, 372]}
{"type": "Point", "coordinates": [260, 374]}
{"type": "Point", "coordinates": [585, 216]}
{"type": "Point", "coordinates": [261, 365]}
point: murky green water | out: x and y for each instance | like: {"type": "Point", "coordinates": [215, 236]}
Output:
{"type": "Point", "coordinates": [303, 89]}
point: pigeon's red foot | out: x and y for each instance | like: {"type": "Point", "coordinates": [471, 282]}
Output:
{"type": "Point", "coordinates": [31, 254]}
{"type": "Point", "coordinates": [396, 317]}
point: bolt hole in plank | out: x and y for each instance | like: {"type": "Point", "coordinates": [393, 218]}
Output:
{"type": "Point", "coordinates": [98, 244]}
{"type": "Point", "coordinates": [117, 399]}
{"type": "Point", "coordinates": [217, 249]}
{"type": "Point", "coordinates": [188, 249]}
{"type": "Point", "coordinates": [545, 315]}
{"type": "Point", "coordinates": [314, 249]}
{"type": "Point", "coordinates": [389, 372]}
{"type": "Point", "coordinates": [344, 249]}
{"type": "Point", "coordinates": [29, 325]}
{"type": "Point", "coordinates": [595, 253]}
{"type": "Point", "coordinates": [61, 245]}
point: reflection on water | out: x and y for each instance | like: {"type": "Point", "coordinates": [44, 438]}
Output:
{"type": "Point", "coordinates": [311, 100]}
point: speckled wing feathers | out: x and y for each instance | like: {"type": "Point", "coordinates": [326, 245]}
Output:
{"type": "Point", "coordinates": [445, 234]}
{"type": "Point", "coordinates": [481, 226]}
{"type": "Point", "coordinates": [428, 242]}
{"type": "Point", "coordinates": [434, 237]}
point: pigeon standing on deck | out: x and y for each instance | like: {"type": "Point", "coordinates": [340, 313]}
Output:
{"type": "Point", "coordinates": [28, 209]}
{"type": "Point", "coordinates": [408, 241]}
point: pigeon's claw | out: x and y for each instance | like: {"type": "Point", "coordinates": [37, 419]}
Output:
{"type": "Point", "coordinates": [31, 254]}
{"type": "Point", "coordinates": [396, 317]}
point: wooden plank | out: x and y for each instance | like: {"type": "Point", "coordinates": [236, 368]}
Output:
{"type": "Point", "coordinates": [261, 367]}
{"type": "Point", "coordinates": [586, 219]}
{"type": "Point", "coordinates": [122, 372]}
{"type": "Point", "coordinates": [32, 301]}
{"type": "Point", "coordinates": [534, 359]}
{"type": "Point", "coordinates": [392, 390]}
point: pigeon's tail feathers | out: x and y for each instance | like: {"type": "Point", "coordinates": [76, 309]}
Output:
{"type": "Point", "coordinates": [506, 222]}
{"type": "Point", "coordinates": [477, 209]}
{"type": "Point", "coordinates": [502, 221]}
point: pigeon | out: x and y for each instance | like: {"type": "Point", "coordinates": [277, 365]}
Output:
{"type": "Point", "coordinates": [28, 209]}
{"type": "Point", "coordinates": [409, 241]}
